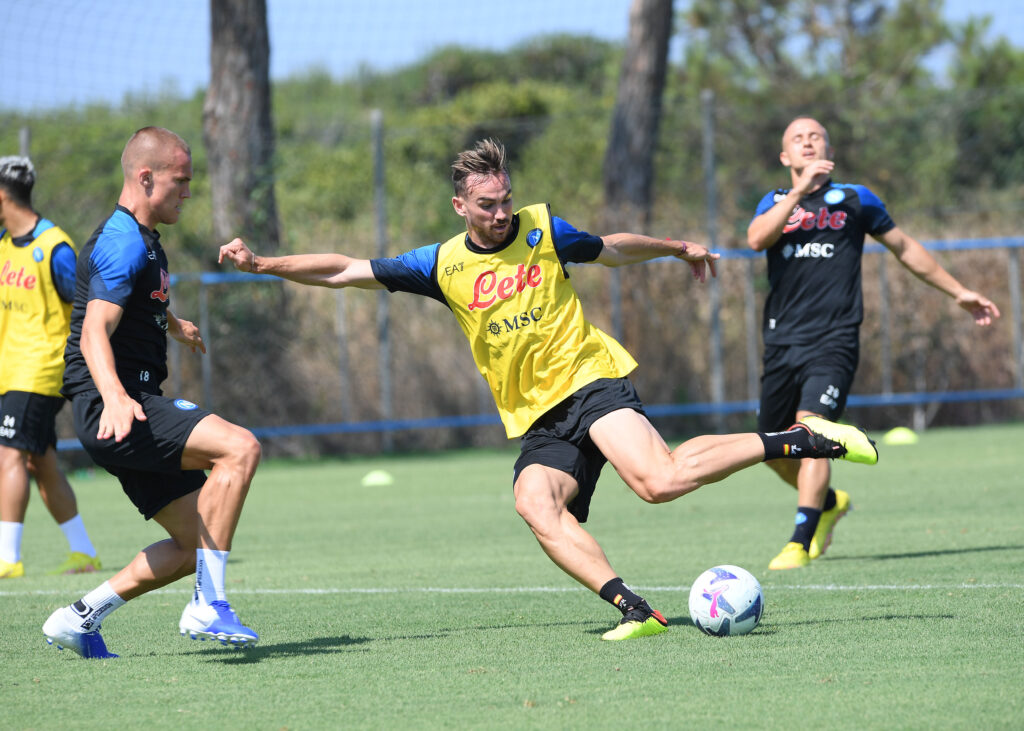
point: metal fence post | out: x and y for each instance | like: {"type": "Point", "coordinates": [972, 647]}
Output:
{"type": "Point", "coordinates": [750, 318]}
{"type": "Point", "coordinates": [1013, 268]}
{"type": "Point", "coordinates": [383, 305]}
{"type": "Point", "coordinates": [25, 141]}
{"type": "Point", "coordinates": [344, 380]}
{"type": "Point", "coordinates": [207, 360]}
{"type": "Point", "coordinates": [707, 98]}
{"type": "Point", "coordinates": [885, 325]}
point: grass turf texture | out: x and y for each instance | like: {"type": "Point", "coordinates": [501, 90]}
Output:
{"type": "Point", "coordinates": [429, 604]}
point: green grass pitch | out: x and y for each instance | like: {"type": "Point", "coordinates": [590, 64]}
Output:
{"type": "Point", "coordinates": [428, 604]}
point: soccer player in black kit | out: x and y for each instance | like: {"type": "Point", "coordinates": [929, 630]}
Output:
{"type": "Point", "coordinates": [813, 234]}
{"type": "Point", "coordinates": [158, 447]}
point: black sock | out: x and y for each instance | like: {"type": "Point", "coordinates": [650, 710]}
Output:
{"type": "Point", "coordinates": [794, 443]}
{"type": "Point", "coordinates": [806, 524]}
{"type": "Point", "coordinates": [616, 593]}
{"type": "Point", "coordinates": [830, 500]}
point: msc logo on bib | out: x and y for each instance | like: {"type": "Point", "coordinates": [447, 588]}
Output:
{"type": "Point", "coordinates": [812, 250]}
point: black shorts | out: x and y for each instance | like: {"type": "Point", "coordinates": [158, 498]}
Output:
{"type": "Point", "coordinates": [814, 377]}
{"type": "Point", "coordinates": [560, 439]}
{"type": "Point", "coordinates": [28, 421]}
{"type": "Point", "coordinates": [147, 462]}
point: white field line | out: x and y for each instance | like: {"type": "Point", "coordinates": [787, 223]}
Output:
{"type": "Point", "coordinates": [553, 589]}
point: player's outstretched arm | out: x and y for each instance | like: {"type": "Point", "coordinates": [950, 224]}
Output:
{"type": "Point", "coordinates": [924, 266]}
{"type": "Point", "coordinates": [321, 270]}
{"type": "Point", "coordinates": [625, 248]}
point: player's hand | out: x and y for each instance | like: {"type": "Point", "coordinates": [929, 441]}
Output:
{"type": "Point", "coordinates": [700, 260]}
{"type": "Point", "coordinates": [238, 254]}
{"type": "Point", "coordinates": [187, 333]}
{"type": "Point", "coordinates": [117, 417]}
{"type": "Point", "coordinates": [982, 309]}
{"type": "Point", "coordinates": [816, 172]}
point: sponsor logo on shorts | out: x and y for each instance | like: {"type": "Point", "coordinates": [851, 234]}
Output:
{"type": "Point", "coordinates": [185, 405]}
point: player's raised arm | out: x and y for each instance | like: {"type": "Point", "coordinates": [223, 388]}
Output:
{"type": "Point", "coordinates": [321, 270]}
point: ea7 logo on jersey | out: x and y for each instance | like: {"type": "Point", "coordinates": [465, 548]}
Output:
{"type": "Point", "coordinates": [812, 250]}
{"type": "Point", "coordinates": [822, 219]}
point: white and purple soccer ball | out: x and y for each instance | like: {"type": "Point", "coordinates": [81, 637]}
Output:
{"type": "Point", "coordinates": [726, 600]}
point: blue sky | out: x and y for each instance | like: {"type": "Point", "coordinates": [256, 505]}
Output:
{"type": "Point", "coordinates": [57, 52]}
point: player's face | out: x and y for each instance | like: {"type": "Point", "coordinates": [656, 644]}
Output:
{"type": "Point", "coordinates": [487, 208]}
{"type": "Point", "coordinates": [803, 141]}
{"type": "Point", "coordinates": [170, 187]}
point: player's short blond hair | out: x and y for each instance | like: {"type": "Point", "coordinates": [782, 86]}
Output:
{"type": "Point", "coordinates": [487, 157]}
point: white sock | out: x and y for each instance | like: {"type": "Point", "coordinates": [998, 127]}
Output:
{"type": "Point", "coordinates": [78, 536]}
{"type": "Point", "coordinates": [96, 605]}
{"type": "Point", "coordinates": [10, 541]}
{"type": "Point", "coordinates": [210, 569]}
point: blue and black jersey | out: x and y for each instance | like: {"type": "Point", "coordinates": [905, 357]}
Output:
{"type": "Point", "coordinates": [416, 271]}
{"type": "Point", "coordinates": [814, 269]}
{"type": "Point", "coordinates": [123, 263]}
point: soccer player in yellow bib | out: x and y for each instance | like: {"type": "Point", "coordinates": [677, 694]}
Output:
{"type": "Point", "coordinates": [559, 382]}
{"type": "Point", "coordinates": [37, 284]}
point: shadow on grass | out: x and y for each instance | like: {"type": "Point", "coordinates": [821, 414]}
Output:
{"type": "Point", "coordinates": [314, 646]}
{"type": "Point", "coordinates": [925, 554]}
{"type": "Point", "coordinates": [773, 627]}
{"type": "Point", "coordinates": [681, 621]}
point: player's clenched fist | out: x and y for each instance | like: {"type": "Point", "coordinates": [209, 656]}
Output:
{"type": "Point", "coordinates": [238, 254]}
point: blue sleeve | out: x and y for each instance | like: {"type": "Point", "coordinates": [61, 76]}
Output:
{"type": "Point", "coordinates": [572, 245]}
{"type": "Point", "coordinates": [766, 203]}
{"type": "Point", "coordinates": [62, 269]}
{"type": "Point", "coordinates": [413, 272]}
{"type": "Point", "coordinates": [114, 265]}
{"type": "Point", "coordinates": [876, 218]}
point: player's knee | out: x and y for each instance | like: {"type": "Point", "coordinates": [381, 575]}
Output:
{"type": "Point", "coordinates": [663, 487]}
{"type": "Point", "coordinates": [243, 449]}
{"type": "Point", "coordinates": [537, 510]}
{"type": "Point", "coordinates": [654, 490]}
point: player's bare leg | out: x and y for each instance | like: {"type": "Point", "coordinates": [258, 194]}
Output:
{"type": "Point", "coordinates": [165, 561]}
{"type": "Point", "coordinates": [59, 498]}
{"type": "Point", "coordinates": [657, 474]}
{"type": "Point", "coordinates": [819, 508]}
{"type": "Point", "coordinates": [542, 498]}
{"type": "Point", "coordinates": [14, 494]}
{"type": "Point", "coordinates": [232, 454]}
{"type": "Point", "coordinates": [542, 494]}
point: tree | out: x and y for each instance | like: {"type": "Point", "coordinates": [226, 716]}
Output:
{"type": "Point", "coordinates": [628, 162]}
{"type": "Point", "coordinates": [237, 127]}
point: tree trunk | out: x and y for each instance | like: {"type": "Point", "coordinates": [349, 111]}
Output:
{"type": "Point", "coordinates": [237, 125]}
{"type": "Point", "coordinates": [628, 163]}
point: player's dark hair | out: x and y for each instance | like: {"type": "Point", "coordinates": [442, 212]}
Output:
{"type": "Point", "coordinates": [17, 176]}
{"type": "Point", "coordinates": [486, 158]}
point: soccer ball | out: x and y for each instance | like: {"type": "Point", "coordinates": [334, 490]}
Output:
{"type": "Point", "coordinates": [726, 600]}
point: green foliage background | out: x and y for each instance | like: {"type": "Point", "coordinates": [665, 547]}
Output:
{"type": "Point", "coordinates": [945, 153]}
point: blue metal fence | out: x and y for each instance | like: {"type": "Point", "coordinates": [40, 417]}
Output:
{"type": "Point", "coordinates": [1011, 245]}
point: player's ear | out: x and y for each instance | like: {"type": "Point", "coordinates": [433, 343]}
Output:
{"type": "Point", "coordinates": [784, 158]}
{"type": "Point", "coordinates": [459, 205]}
{"type": "Point", "coordinates": [146, 178]}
